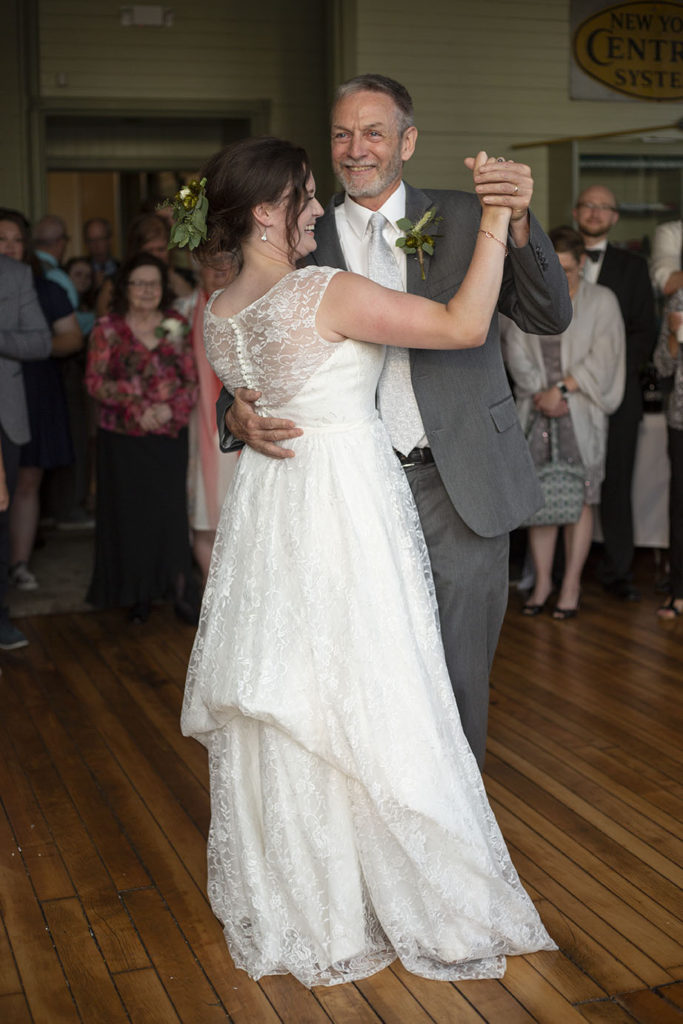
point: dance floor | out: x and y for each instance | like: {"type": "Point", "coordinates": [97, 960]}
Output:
{"type": "Point", "coordinates": [105, 808]}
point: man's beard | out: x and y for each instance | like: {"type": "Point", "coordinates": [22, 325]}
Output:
{"type": "Point", "coordinates": [373, 188]}
{"type": "Point", "coordinates": [593, 232]}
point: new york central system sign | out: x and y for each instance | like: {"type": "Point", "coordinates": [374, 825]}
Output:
{"type": "Point", "coordinates": [635, 49]}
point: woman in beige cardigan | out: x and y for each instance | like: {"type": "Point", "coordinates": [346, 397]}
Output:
{"type": "Point", "coordinates": [668, 358]}
{"type": "Point", "coordinates": [577, 379]}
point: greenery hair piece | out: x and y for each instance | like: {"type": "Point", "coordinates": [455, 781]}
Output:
{"type": "Point", "coordinates": [190, 207]}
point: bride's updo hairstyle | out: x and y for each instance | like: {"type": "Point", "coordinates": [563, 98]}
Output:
{"type": "Point", "coordinates": [242, 176]}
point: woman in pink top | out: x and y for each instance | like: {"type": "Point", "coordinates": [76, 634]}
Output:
{"type": "Point", "coordinates": [209, 469]}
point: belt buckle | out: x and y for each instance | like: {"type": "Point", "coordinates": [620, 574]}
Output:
{"type": "Point", "coordinates": [406, 461]}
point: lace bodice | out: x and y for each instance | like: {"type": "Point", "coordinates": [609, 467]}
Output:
{"type": "Point", "coordinates": [273, 346]}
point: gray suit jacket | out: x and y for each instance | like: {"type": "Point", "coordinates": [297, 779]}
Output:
{"type": "Point", "coordinates": [24, 335]}
{"type": "Point", "coordinates": [464, 397]}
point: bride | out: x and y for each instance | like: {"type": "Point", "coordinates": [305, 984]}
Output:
{"type": "Point", "coordinates": [349, 823]}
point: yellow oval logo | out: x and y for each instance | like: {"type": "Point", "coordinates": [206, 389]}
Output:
{"type": "Point", "coordinates": [634, 48]}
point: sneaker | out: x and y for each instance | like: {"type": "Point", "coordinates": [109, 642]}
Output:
{"type": "Point", "coordinates": [21, 577]}
{"type": "Point", "coordinates": [11, 638]}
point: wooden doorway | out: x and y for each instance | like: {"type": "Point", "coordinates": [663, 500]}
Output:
{"type": "Point", "coordinates": [117, 163]}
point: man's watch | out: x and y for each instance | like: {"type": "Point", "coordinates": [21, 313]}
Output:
{"type": "Point", "coordinates": [562, 388]}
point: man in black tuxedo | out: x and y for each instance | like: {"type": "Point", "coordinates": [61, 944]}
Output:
{"type": "Point", "coordinates": [626, 274]}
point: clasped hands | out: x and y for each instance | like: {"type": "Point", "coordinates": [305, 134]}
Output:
{"type": "Point", "coordinates": [551, 403]}
{"type": "Point", "coordinates": [155, 416]}
{"type": "Point", "coordinates": [500, 182]}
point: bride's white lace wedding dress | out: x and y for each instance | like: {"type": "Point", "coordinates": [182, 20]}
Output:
{"type": "Point", "coordinates": [349, 822]}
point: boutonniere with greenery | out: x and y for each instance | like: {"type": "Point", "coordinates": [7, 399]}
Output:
{"type": "Point", "coordinates": [190, 207]}
{"type": "Point", "coordinates": [172, 328]}
{"type": "Point", "coordinates": [416, 240]}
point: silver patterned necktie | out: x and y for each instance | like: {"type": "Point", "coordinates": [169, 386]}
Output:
{"type": "Point", "coordinates": [382, 265]}
{"type": "Point", "coordinates": [395, 395]}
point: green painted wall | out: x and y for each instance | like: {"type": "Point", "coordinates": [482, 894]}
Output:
{"type": "Point", "coordinates": [492, 74]}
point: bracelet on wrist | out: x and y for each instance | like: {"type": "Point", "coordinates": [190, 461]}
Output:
{"type": "Point", "coordinates": [487, 234]}
{"type": "Point", "coordinates": [562, 388]}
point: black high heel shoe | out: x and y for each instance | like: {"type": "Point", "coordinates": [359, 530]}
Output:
{"type": "Point", "coordinates": [562, 614]}
{"type": "Point", "coordinates": [531, 610]}
{"type": "Point", "coordinates": [669, 611]}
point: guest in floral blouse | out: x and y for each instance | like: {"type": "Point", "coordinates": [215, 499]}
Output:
{"type": "Point", "coordinates": [141, 372]}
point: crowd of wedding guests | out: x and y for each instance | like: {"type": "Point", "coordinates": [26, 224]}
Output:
{"type": "Point", "coordinates": [121, 416]}
{"type": "Point", "coordinates": [580, 399]}
{"type": "Point", "coordinates": [122, 412]}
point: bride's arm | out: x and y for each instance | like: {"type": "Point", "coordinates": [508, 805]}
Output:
{"type": "Point", "coordinates": [354, 307]}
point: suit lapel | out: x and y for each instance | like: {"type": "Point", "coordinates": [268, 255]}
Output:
{"type": "Point", "coordinates": [329, 251]}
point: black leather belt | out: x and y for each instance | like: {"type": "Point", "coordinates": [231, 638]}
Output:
{"type": "Point", "coordinates": [418, 457]}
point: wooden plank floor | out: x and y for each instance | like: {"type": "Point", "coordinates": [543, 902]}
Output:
{"type": "Point", "coordinates": [104, 812]}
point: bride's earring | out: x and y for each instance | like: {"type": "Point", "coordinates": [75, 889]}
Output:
{"type": "Point", "coordinates": [264, 236]}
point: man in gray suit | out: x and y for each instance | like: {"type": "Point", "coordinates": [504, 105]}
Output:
{"type": "Point", "coordinates": [24, 335]}
{"type": "Point", "coordinates": [450, 415]}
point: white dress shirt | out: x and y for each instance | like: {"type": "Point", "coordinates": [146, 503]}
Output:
{"type": "Point", "coordinates": [666, 252]}
{"type": "Point", "coordinates": [591, 270]}
{"type": "Point", "coordinates": [352, 227]}
{"type": "Point", "coordinates": [352, 221]}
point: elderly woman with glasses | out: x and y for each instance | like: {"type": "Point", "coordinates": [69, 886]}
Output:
{"type": "Point", "coordinates": [142, 374]}
{"type": "Point", "coordinates": [573, 380]}
{"type": "Point", "coordinates": [148, 232]}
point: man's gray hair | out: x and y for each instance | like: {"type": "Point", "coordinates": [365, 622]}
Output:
{"type": "Point", "coordinates": [390, 87]}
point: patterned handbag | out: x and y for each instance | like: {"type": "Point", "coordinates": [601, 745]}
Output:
{"type": "Point", "coordinates": [564, 486]}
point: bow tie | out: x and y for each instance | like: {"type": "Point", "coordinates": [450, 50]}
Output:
{"type": "Point", "coordinates": [594, 254]}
